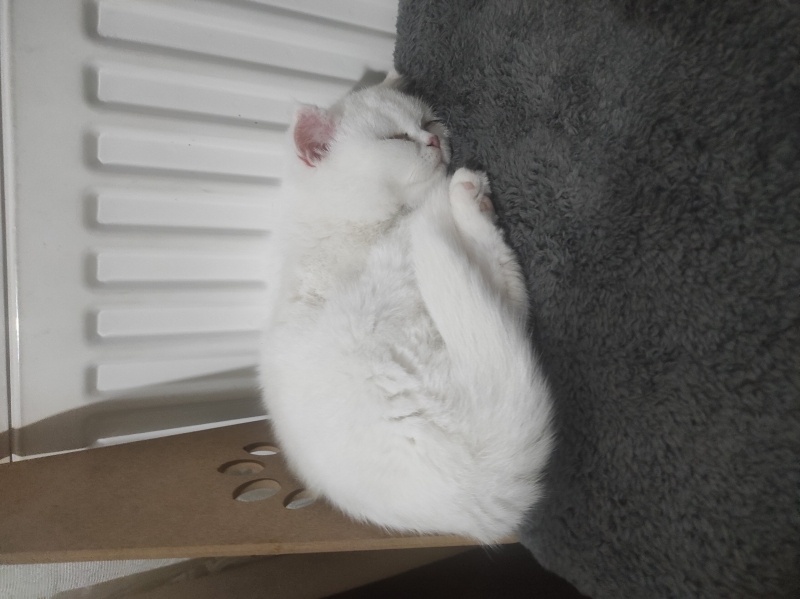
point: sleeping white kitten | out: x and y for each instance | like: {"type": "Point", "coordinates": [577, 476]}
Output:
{"type": "Point", "coordinates": [396, 368]}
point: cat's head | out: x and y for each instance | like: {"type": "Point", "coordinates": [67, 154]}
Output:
{"type": "Point", "coordinates": [377, 132]}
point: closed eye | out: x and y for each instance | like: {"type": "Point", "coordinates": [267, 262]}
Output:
{"type": "Point", "coordinates": [401, 137]}
{"type": "Point", "coordinates": [427, 125]}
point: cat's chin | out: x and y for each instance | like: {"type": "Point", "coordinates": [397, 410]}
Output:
{"type": "Point", "coordinates": [437, 176]}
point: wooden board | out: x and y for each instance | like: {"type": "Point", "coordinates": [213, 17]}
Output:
{"type": "Point", "coordinates": [168, 498]}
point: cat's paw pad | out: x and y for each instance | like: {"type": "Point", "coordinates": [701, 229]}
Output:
{"type": "Point", "coordinates": [474, 186]}
{"type": "Point", "coordinates": [486, 206]}
{"type": "Point", "coordinates": [476, 183]}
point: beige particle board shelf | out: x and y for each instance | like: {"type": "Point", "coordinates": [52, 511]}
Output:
{"type": "Point", "coordinates": [173, 497]}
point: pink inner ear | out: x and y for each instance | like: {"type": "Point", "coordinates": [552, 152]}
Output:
{"type": "Point", "coordinates": [313, 133]}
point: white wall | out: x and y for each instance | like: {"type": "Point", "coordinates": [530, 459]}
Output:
{"type": "Point", "coordinates": [144, 142]}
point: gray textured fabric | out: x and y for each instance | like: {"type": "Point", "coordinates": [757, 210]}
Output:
{"type": "Point", "coordinates": [645, 158]}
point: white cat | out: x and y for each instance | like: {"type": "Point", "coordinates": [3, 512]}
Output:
{"type": "Point", "coordinates": [396, 367]}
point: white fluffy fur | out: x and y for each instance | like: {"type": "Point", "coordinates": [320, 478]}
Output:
{"type": "Point", "coordinates": [396, 367]}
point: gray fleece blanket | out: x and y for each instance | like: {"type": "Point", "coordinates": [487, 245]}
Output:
{"type": "Point", "coordinates": [645, 158]}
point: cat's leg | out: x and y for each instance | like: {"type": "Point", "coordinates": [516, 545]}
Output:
{"type": "Point", "coordinates": [466, 296]}
{"type": "Point", "coordinates": [475, 219]}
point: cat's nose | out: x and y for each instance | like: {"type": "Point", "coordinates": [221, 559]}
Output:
{"type": "Point", "coordinates": [433, 140]}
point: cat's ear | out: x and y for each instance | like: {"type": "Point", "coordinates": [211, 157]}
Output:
{"type": "Point", "coordinates": [393, 78]}
{"type": "Point", "coordinates": [313, 133]}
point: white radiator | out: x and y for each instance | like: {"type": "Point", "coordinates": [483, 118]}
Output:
{"type": "Point", "coordinates": [141, 154]}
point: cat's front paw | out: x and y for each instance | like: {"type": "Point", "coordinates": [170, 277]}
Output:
{"type": "Point", "coordinates": [472, 186]}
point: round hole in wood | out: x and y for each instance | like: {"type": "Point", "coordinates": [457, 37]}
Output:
{"type": "Point", "coordinates": [257, 490]}
{"type": "Point", "coordinates": [261, 449]}
{"type": "Point", "coordinates": [241, 467]}
{"type": "Point", "coordinates": [299, 499]}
